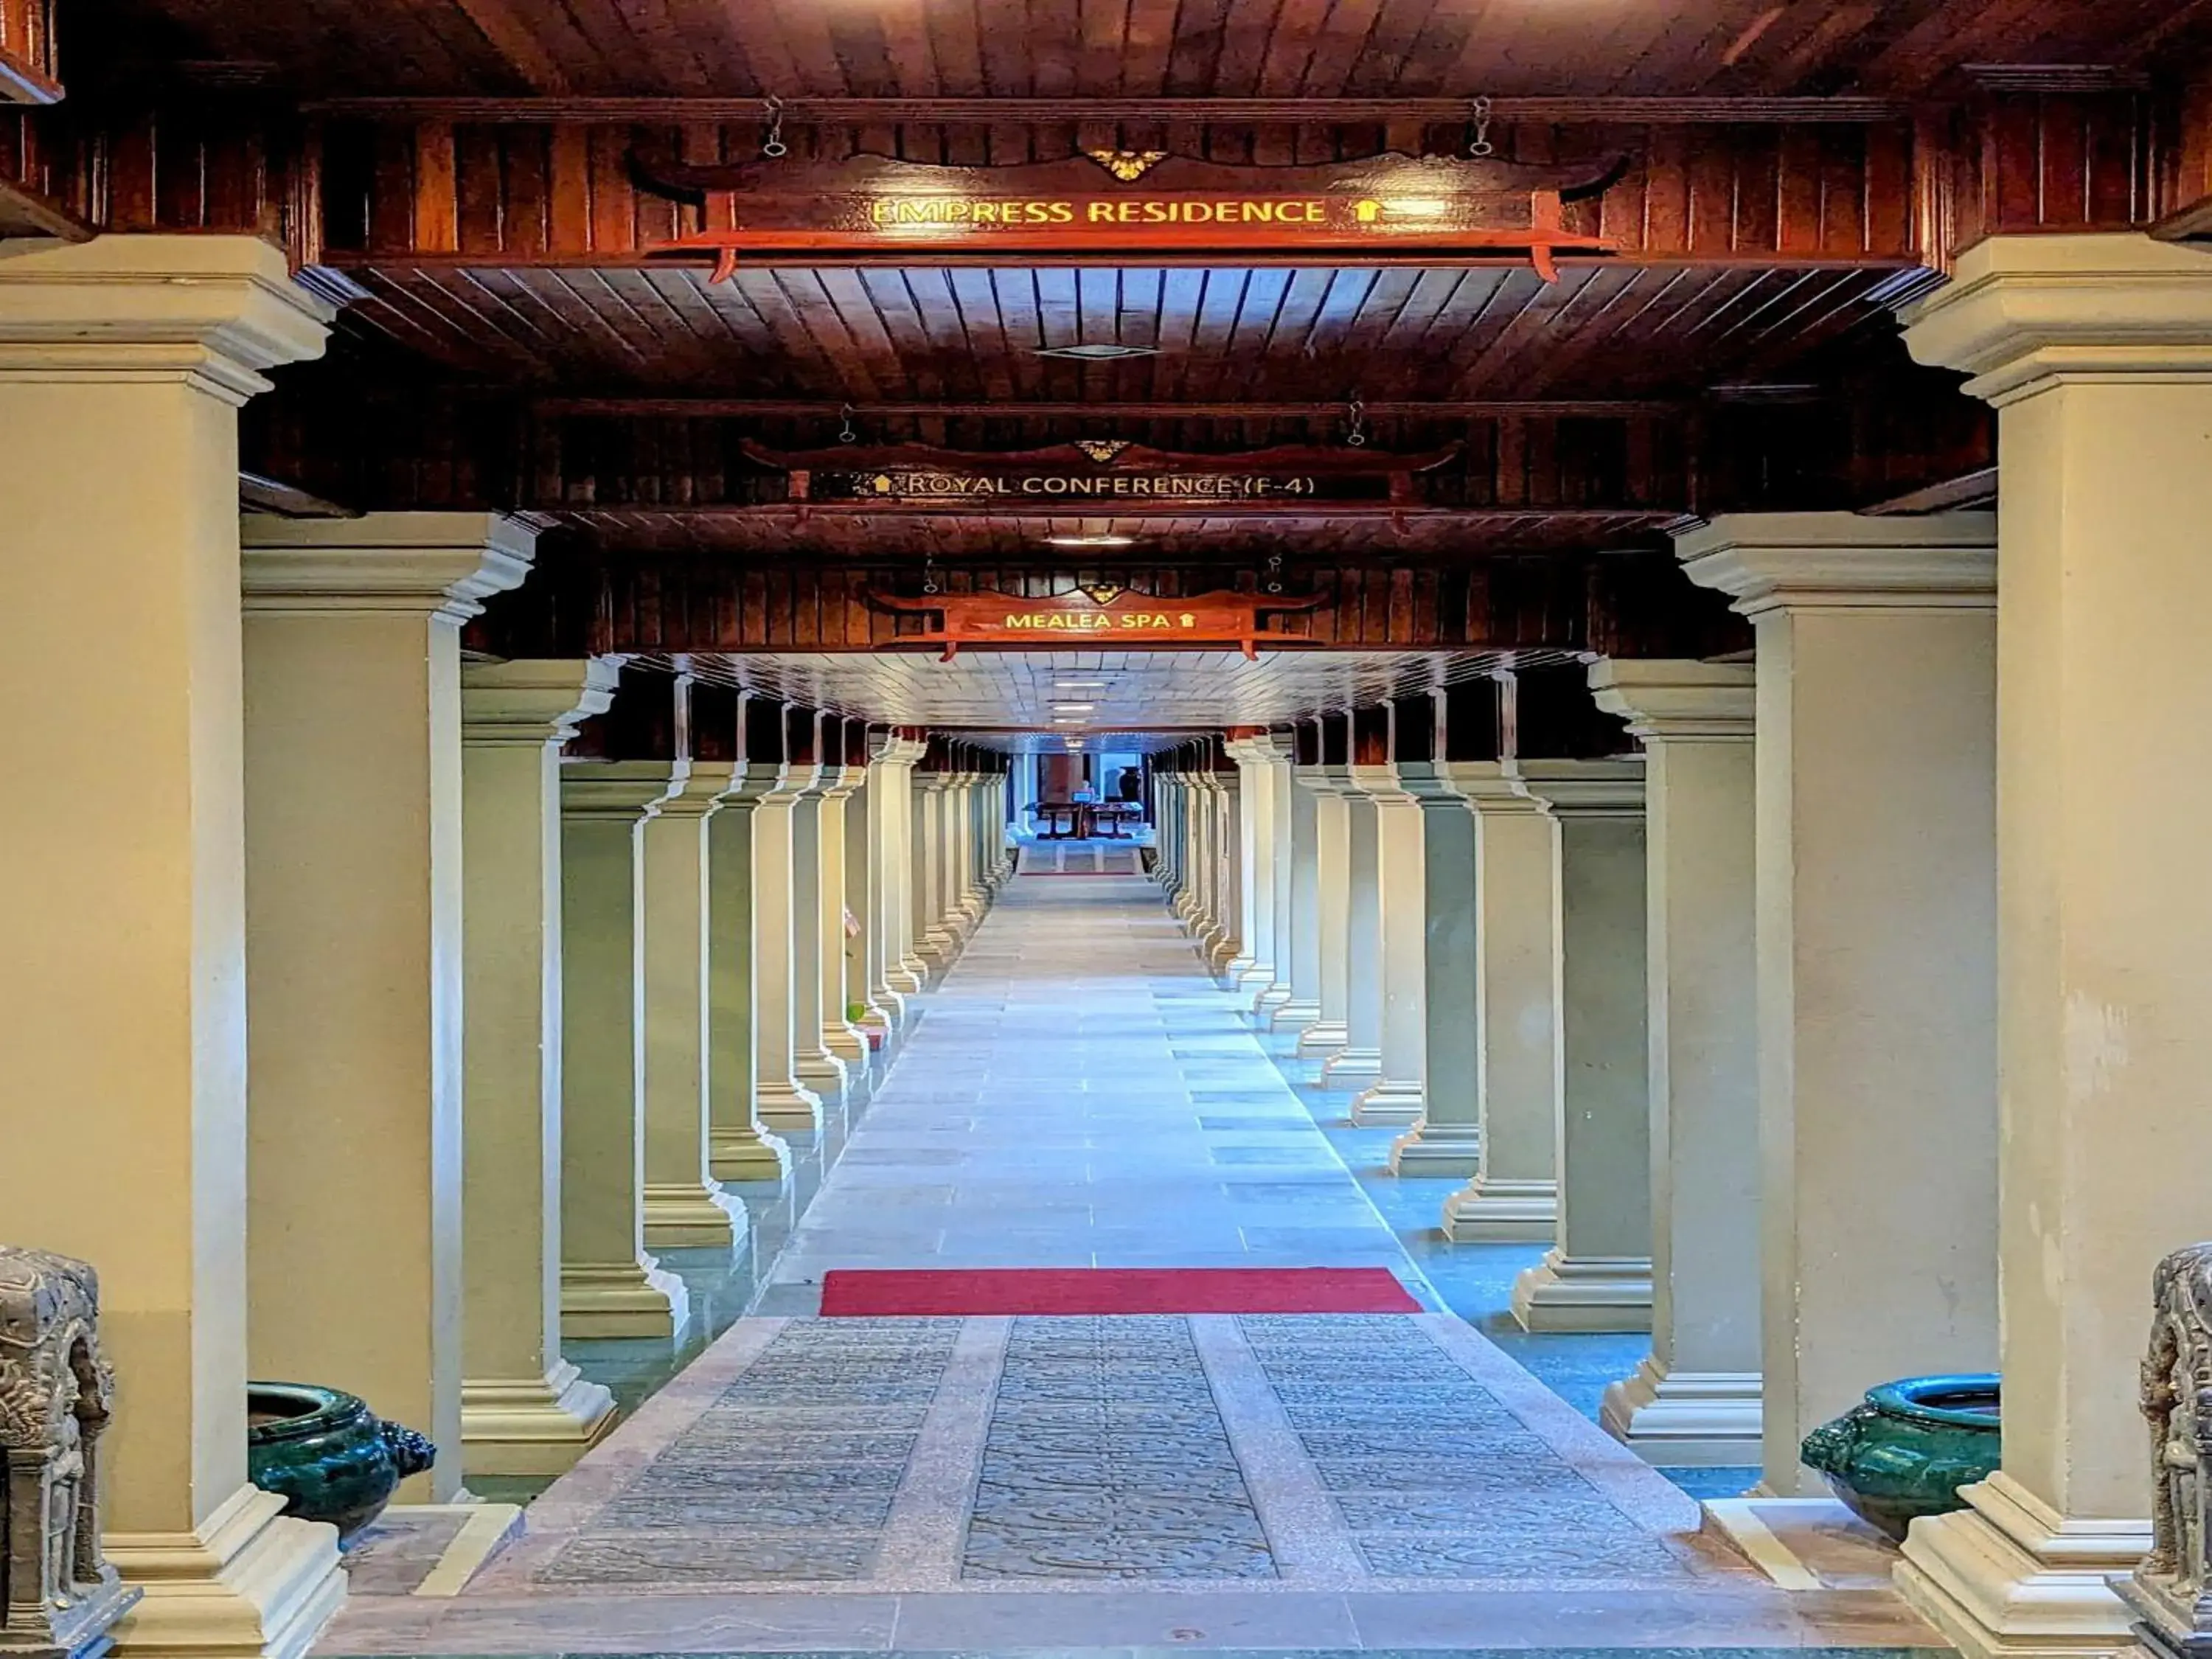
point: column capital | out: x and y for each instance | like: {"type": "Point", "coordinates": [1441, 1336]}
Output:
{"type": "Point", "coordinates": [211, 311]}
{"type": "Point", "coordinates": [1261, 750]}
{"type": "Point", "coordinates": [1324, 779]}
{"type": "Point", "coordinates": [1768, 562]}
{"type": "Point", "coordinates": [839, 781]}
{"type": "Point", "coordinates": [1677, 700]}
{"type": "Point", "coordinates": [1488, 787]}
{"type": "Point", "coordinates": [531, 700]}
{"type": "Point", "coordinates": [1379, 783]}
{"type": "Point", "coordinates": [1425, 784]}
{"type": "Point", "coordinates": [697, 792]}
{"type": "Point", "coordinates": [442, 564]}
{"type": "Point", "coordinates": [2021, 314]}
{"type": "Point", "coordinates": [748, 783]}
{"type": "Point", "coordinates": [891, 750]}
{"type": "Point", "coordinates": [1583, 789]}
{"type": "Point", "coordinates": [617, 789]}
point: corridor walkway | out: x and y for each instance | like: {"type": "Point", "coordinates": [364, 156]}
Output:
{"type": "Point", "coordinates": [1078, 1093]}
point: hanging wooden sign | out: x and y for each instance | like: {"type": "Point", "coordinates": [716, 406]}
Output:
{"type": "Point", "coordinates": [1116, 204]}
{"type": "Point", "coordinates": [1096, 474]}
{"type": "Point", "coordinates": [1099, 616]}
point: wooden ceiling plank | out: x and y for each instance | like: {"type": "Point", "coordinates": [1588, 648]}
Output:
{"type": "Point", "coordinates": [976, 299]}
{"type": "Point", "coordinates": [1104, 48]}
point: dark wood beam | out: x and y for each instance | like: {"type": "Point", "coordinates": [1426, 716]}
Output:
{"type": "Point", "coordinates": [756, 408]}
{"type": "Point", "coordinates": [1057, 112]}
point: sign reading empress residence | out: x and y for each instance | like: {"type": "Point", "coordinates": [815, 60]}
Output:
{"type": "Point", "coordinates": [1112, 203]}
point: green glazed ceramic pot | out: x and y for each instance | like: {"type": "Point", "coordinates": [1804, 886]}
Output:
{"type": "Point", "coordinates": [327, 1453]}
{"type": "Point", "coordinates": [1908, 1448]}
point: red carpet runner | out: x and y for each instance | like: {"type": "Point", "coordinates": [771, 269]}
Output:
{"type": "Point", "coordinates": [889, 1294]}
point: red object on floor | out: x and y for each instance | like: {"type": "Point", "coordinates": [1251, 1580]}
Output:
{"type": "Point", "coordinates": [857, 1293]}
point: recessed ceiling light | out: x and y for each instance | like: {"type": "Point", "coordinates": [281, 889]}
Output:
{"type": "Point", "coordinates": [1075, 707]}
{"type": "Point", "coordinates": [1091, 541]}
{"type": "Point", "coordinates": [1098, 351]}
{"type": "Point", "coordinates": [1077, 686]}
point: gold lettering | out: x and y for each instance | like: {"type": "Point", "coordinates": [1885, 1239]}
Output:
{"type": "Point", "coordinates": [1062, 213]}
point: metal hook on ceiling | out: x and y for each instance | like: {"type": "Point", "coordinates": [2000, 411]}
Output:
{"type": "Point", "coordinates": [1478, 128]}
{"type": "Point", "coordinates": [772, 146]}
{"type": "Point", "coordinates": [929, 573]}
{"type": "Point", "coordinates": [1356, 434]}
{"type": "Point", "coordinates": [1274, 573]}
{"type": "Point", "coordinates": [845, 432]}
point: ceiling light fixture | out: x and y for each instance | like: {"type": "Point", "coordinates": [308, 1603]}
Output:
{"type": "Point", "coordinates": [1077, 686]}
{"type": "Point", "coordinates": [1091, 541]}
{"type": "Point", "coordinates": [1074, 708]}
{"type": "Point", "coordinates": [1098, 351]}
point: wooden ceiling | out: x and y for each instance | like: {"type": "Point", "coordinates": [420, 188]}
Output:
{"type": "Point", "coordinates": [480, 181]}
{"type": "Point", "coordinates": [1099, 695]}
{"type": "Point", "coordinates": [919, 333]}
{"type": "Point", "coordinates": [1059, 48]}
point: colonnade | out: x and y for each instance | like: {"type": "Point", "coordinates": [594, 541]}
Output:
{"type": "Point", "coordinates": [385, 1011]}
{"type": "Point", "coordinates": [1844, 1017]}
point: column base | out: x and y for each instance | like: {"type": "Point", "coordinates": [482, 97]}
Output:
{"type": "Point", "coordinates": [1596, 1293]}
{"type": "Point", "coordinates": [621, 1298]}
{"type": "Point", "coordinates": [2012, 1575]}
{"type": "Point", "coordinates": [909, 977]}
{"type": "Point", "coordinates": [246, 1583]}
{"type": "Point", "coordinates": [822, 1074]}
{"type": "Point", "coordinates": [1220, 954]}
{"type": "Point", "coordinates": [1437, 1149]}
{"type": "Point", "coordinates": [687, 1215]}
{"type": "Point", "coordinates": [784, 1104]}
{"type": "Point", "coordinates": [1387, 1103]}
{"type": "Point", "coordinates": [1490, 1209]}
{"type": "Point", "coordinates": [1245, 975]}
{"type": "Point", "coordinates": [1694, 1419]}
{"type": "Point", "coordinates": [747, 1154]}
{"type": "Point", "coordinates": [1352, 1068]}
{"type": "Point", "coordinates": [1321, 1038]}
{"type": "Point", "coordinates": [532, 1426]}
{"type": "Point", "coordinates": [886, 1012]}
{"type": "Point", "coordinates": [1275, 1009]}
{"type": "Point", "coordinates": [846, 1044]}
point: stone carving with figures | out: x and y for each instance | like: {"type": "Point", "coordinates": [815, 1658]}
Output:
{"type": "Point", "coordinates": [57, 1596]}
{"type": "Point", "coordinates": [2166, 1592]}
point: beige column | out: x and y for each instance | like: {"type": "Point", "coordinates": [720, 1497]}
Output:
{"type": "Point", "coordinates": [1206, 864]}
{"type": "Point", "coordinates": [1279, 834]}
{"type": "Point", "coordinates": [1329, 1030]}
{"type": "Point", "coordinates": [126, 862]}
{"type": "Point", "coordinates": [883, 1010]}
{"type": "Point", "coordinates": [2097, 351]}
{"type": "Point", "coordinates": [967, 866]}
{"type": "Point", "coordinates": [936, 945]}
{"type": "Point", "coordinates": [524, 1410]}
{"type": "Point", "coordinates": [812, 1063]}
{"type": "Point", "coordinates": [784, 1100]}
{"type": "Point", "coordinates": [1696, 1399]}
{"type": "Point", "coordinates": [353, 941]}
{"type": "Point", "coordinates": [1360, 1062]}
{"type": "Point", "coordinates": [685, 1207]}
{"type": "Point", "coordinates": [904, 970]}
{"type": "Point", "coordinates": [738, 1146]}
{"type": "Point", "coordinates": [1597, 1274]}
{"type": "Point", "coordinates": [1515, 1192]}
{"type": "Point", "coordinates": [1447, 1139]}
{"type": "Point", "coordinates": [608, 1285]}
{"type": "Point", "coordinates": [1185, 796]}
{"type": "Point", "coordinates": [1227, 938]}
{"type": "Point", "coordinates": [1395, 1097]}
{"type": "Point", "coordinates": [842, 1039]}
{"type": "Point", "coordinates": [1299, 1008]}
{"type": "Point", "coordinates": [1876, 950]}
{"type": "Point", "coordinates": [1253, 968]}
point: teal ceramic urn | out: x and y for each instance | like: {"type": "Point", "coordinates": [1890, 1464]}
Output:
{"type": "Point", "coordinates": [1905, 1450]}
{"type": "Point", "coordinates": [331, 1457]}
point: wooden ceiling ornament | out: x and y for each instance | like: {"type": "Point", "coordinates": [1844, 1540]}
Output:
{"type": "Point", "coordinates": [871, 207]}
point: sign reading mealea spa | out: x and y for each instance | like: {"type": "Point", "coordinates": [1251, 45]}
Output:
{"type": "Point", "coordinates": [1099, 614]}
